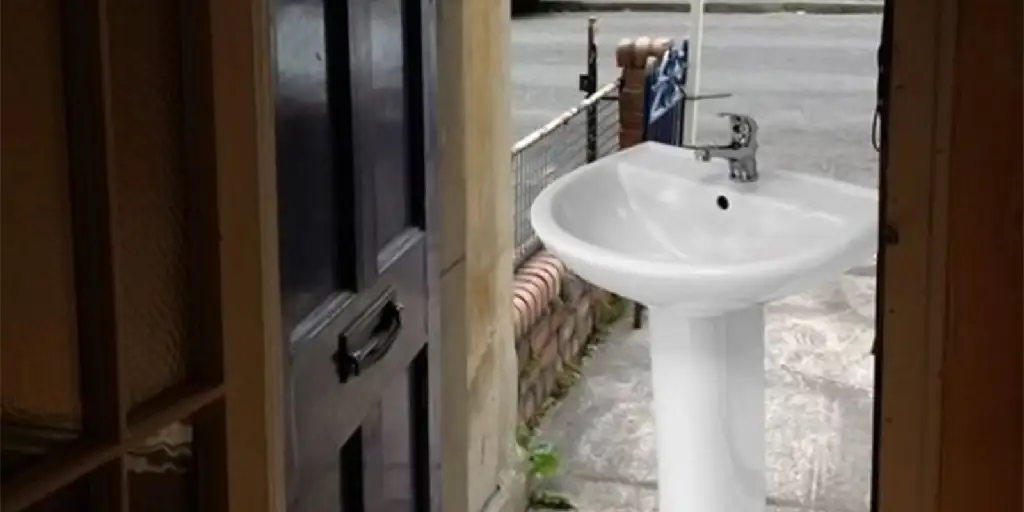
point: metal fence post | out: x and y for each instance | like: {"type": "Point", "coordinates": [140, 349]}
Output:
{"type": "Point", "coordinates": [558, 147]}
{"type": "Point", "coordinates": [638, 60]}
{"type": "Point", "coordinates": [588, 85]}
{"type": "Point", "coordinates": [682, 113]}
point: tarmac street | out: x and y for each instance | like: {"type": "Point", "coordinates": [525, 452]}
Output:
{"type": "Point", "coordinates": [809, 80]}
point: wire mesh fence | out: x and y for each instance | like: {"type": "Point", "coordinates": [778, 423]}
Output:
{"type": "Point", "coordinates": [580, 135]}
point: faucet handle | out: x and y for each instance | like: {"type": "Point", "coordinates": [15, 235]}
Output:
{"type": "Point", "coordinates": [744, 128]}
{"type": "Point", "coordinates": [738, 118]}
{"type": "Point", "coordinates": [741, 124]}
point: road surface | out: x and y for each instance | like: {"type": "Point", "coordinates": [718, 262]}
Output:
{"type": "Point", "coordinates": [809, 80]}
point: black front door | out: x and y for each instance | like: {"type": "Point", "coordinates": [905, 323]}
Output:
{"type": "Point", "coordinates": [352, 182]}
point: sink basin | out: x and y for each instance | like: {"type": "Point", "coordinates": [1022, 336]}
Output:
{"type": "Point", "coordinates": [656, 225]}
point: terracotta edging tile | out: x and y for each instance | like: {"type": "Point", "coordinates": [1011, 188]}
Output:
{"type": "Point", "coordinates": [537, 282]}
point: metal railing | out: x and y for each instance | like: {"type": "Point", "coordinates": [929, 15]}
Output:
{"type": "Point", "coordinates": [580, 135]}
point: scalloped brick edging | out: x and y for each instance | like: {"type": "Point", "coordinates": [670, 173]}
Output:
{"type": "Point", "coordinates": [554, 314]}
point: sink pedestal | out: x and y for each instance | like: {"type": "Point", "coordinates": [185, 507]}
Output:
{"type": "Point", "coordinates": [709, 385]}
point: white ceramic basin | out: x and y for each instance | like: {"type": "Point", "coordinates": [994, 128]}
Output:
{"type": "Point", "coordinates": [656, 225]}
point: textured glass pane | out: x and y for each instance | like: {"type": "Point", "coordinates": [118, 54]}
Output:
{"type": "Point", "coordinates": [148, 203]}
{"type": "Point", "coordinates": [37, 334]}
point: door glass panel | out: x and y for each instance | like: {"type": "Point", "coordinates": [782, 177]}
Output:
{"type": "Point", "coordinates": [149, 199]}
{"type": "Point", "coordinates": [40, 392]}
{"type": "Point", "coordinates": [308, 226]}
{"type": "Point", "coordinates": [391, 153]}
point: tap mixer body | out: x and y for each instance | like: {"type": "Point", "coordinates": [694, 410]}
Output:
{"type": "Point", "coordinates": [740, 152]}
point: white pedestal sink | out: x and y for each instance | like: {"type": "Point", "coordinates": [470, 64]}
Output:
{"type": "Point", "coordinates": [654, 224]}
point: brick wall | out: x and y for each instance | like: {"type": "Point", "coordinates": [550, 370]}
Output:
{"type": "Point", "coordinates": [556, 316]}
{"type": "Point", "coordinates": [635, 57]}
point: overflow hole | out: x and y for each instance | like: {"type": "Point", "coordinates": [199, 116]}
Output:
{"type": "Point", "coordinates": [723, 202]}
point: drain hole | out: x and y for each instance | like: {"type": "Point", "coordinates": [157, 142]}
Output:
{"type": "Point", "coordinates": [723, 202]}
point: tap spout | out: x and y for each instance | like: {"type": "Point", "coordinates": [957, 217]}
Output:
{"type": "Point", "coordinates": [740, 152]}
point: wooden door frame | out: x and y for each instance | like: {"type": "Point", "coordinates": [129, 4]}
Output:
{"type": "Point", "coordinates": [921, 321]}
{"type": "Point", "coordinates": [241, 74]}
{"type": "Point", "coordinates": [950, 278]}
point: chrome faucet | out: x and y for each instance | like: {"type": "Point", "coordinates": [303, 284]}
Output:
{"type": "Point", "coordinates": [741, 152]}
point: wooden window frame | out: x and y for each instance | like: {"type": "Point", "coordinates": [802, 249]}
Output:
{"type": "Point", "coordinates": [232, 398]}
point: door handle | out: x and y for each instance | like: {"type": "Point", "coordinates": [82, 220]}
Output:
{"type": "Point", "coordinates": [369, 338]}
